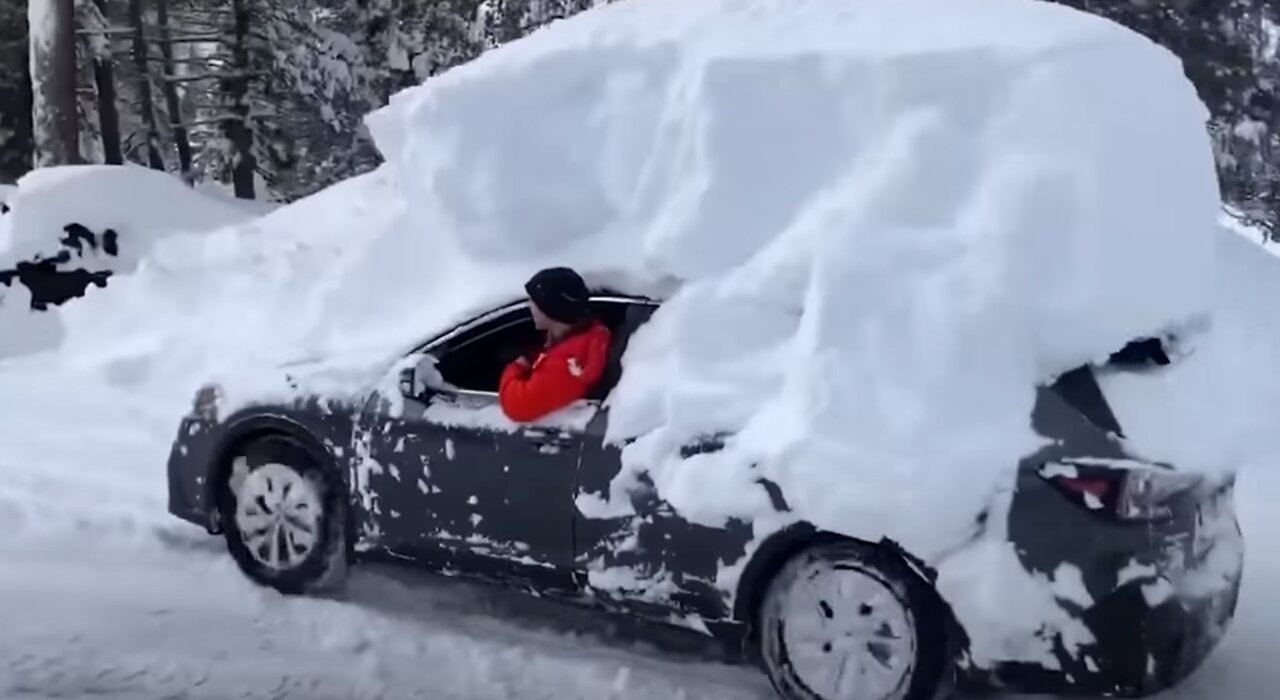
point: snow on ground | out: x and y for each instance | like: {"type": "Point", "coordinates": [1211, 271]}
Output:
{"type": "Point", "coordinates": [125, 210]}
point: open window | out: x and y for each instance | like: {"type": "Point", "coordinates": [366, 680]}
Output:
{"type": "Point", "coordinates": [473, 357]}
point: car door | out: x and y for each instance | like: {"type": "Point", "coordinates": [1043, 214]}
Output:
{"type": "Point", "coordinates": [451, 471]}
{"type": "Point", "coordinates": [644, 554]}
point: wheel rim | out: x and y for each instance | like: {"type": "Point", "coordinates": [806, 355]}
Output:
{"type": "Point", "coordinates": [278, 514]}
{"type": "Point", "coordinates": [847, 635]}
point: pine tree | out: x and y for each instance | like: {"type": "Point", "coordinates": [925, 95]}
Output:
{"type": "Point", "coordinates": [16, 146]}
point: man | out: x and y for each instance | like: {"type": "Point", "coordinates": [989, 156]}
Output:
{"type": "Point", "coordinates": [572, 357]}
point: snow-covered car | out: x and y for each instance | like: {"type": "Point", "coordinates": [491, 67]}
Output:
{"type": "Point", "coordinates": [423, 468]}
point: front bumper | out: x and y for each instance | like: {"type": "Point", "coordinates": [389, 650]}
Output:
{"type": "Point", "coordinates": [189, 472]}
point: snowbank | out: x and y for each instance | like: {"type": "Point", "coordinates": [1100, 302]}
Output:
{"type": "Point", "coordinates": [211, 302]}
{"type": "Point", "coordinates": [116, 213]}
{"type": "Point", "coordinates": [885, 232]}
{"type": "Point", "coordinates": [140, 204]}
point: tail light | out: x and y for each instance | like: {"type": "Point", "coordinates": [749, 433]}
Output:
{"type": "Point", "coordinates": [1127, 490]}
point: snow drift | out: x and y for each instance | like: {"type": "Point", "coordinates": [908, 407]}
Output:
{"type": "Point", "coordinates": [116, 215]}
{"type": "Point", "coordinates": [141, 204]}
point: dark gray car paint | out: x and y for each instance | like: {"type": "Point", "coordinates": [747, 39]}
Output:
{"type": "Point", "coordinates": [496, 492]}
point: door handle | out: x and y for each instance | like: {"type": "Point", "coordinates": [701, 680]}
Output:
{"type": "Point", "coordinates": [547, 438]}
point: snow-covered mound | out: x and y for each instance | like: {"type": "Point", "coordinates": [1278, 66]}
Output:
{"type": "Point", "coordinates": [207, 303]}
{"type": "Point", "coordinates": [85, 222]}
{"type": "Point", "coordinates": [885, 232]}
{"type": "Point", "coordinates": [140, 204]}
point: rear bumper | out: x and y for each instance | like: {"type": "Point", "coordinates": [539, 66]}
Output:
{"type": "Point", "coordinates": [1162, 595]}
{"type": "Point", "coordinates": [189, 471]}
{"type": "Point", "coordinates": [1140, 650]}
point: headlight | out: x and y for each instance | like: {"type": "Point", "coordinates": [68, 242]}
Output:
{"type": "Point", "coordinates": [206, 403]}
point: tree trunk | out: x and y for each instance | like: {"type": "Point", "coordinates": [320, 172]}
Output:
{"type": "Point", "coordinates": [104, 80]}
{"type": "Point", "coordinates": [55, 126]}
{"type": "Point", "coordinates": [172, 104]}
{"type": "Point", "coordinates": [237, 129]}
{"type": "Point", "coordinates": [145, 106]}
{"type": "Point", "coordinates": [15, 92]}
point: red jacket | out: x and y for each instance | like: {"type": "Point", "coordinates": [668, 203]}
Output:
{"type": "Point", "coordinates": [563, 372]}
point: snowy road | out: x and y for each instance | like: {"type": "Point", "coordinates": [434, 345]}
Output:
{"type": "Point", "coordinates": [144, 622]}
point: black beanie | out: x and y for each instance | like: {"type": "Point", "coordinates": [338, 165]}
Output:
{"type": "Point", "coordinates": [560, 293]}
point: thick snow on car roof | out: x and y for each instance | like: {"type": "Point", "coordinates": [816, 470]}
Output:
{"type": "Point", "coordinates": [886, 230]}
{"type": "Point", "coordinates": [888, 222]}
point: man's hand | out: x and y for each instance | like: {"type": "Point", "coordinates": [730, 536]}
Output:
{"type": "Point", "coordinates": [522, 361]}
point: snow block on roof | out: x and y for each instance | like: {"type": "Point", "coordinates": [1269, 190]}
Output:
{"type": "Point", "coordinates": [890, 220]}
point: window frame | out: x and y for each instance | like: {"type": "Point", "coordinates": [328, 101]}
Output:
{"type": "Point", "coordinates": [431, 346]}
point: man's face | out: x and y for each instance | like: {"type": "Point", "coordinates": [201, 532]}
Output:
{"type": "Point", "coordinates": [540, 320]}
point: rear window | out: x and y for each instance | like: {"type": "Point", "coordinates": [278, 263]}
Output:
{"type": "Point", "coordinates": [1079, 387]}
{"type": "Point", "coordinates": [1145, 352]}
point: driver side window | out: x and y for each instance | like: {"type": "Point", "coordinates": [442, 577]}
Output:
{"type": "Point", "coordinates": [474, 360]}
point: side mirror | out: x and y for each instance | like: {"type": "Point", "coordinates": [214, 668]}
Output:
{"type": "Point", "coordinates": [408, 377]}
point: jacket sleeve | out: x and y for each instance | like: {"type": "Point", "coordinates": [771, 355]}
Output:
{"type": "Point", "coordinates": [527, 395]}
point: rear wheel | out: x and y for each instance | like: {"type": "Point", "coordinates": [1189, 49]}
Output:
{"type": "Point", "coordinates": [849, 622]}
{"type": "Point", "coordinates": [284, 516]}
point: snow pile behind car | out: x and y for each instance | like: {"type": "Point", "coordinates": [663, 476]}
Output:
{"type": "Point", "coordinates": [885, 232]}
{"type": "Point", "coordinates": [101, 220]}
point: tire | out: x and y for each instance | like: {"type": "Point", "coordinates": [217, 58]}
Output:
{"type": "Point", "coordinates": [276, 487]}
{"type": "Point", "coordinates": [822, 622]}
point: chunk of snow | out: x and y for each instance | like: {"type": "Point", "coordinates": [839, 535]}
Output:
{"type": "Point", "coordinates": [1009, 613]}
{"type": "Point", "coordinates": [1068, 584]}
{"type": "Point", "coordinates": [1157, 592]}
{"type": "Point", "coordinates": [1055, 469]}
{"type": "Point", "coordinates": [1209, 410]}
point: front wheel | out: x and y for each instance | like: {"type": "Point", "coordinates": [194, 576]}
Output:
{"type": "Point", "coordinates": [285, 518]}
{"type": "Point", "coordinates": [848, 622]}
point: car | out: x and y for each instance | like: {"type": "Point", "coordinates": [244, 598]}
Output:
{"type": "Point", "coordinates": [423, 468]}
